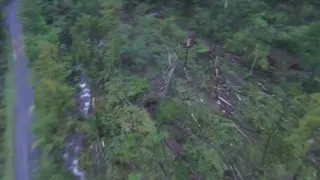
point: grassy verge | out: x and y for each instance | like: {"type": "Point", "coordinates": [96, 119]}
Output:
{"type": "Point", "coordinates": [9, 102]}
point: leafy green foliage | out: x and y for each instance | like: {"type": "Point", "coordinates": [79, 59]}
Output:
{"type": "Point", "coordinates": [121, 44]}
{"type": "Point", "coordinates": [212, 167]}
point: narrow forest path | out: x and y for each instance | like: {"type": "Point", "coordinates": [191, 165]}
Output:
{"type": "Point", "coordinates": [25, 159]}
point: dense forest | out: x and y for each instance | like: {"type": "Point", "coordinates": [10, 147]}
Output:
{"type": "Point", "coordinates": [3, 72]}
{"type": "Point", "coordinates": [192, 89]}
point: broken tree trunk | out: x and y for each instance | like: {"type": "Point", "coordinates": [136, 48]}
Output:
{"type": "Point", "coordinates": [254, 60]}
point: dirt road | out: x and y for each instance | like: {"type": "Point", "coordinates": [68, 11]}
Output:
{"type": "Point", "coordinates": [25, 159]}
